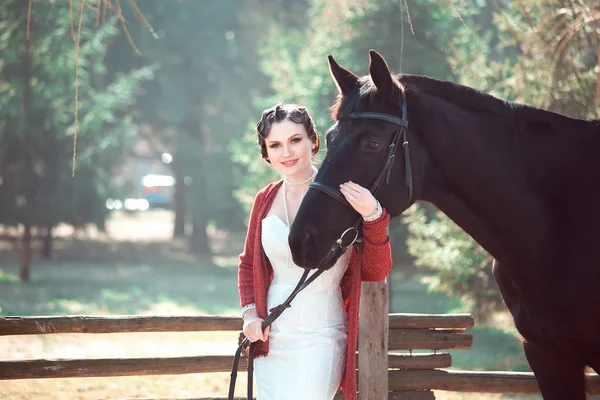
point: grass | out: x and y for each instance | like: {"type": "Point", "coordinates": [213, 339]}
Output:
{"type": "Point", "coordinates": [104, 277]}
{"type": "Point", "coordinates": [158, 286]}
{"type": "Point", "coordinates": [120, 288]}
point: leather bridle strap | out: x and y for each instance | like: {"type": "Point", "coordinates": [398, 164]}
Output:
{"type": "Point", "coordinates": [274, 313]}
{"type": "Point", "coordinates": [384, 173]}
{"type": "Point", "coordinates": [400, 134]}
{"type": "Point", "coordinates": [330, 192]}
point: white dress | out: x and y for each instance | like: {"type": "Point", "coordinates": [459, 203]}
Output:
{"type": "Point", "coordinates": [307, 343]}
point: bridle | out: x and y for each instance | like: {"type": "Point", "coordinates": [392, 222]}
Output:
{"type": "Point", "coordinates": [275, 312]}
{"type": "Point", "coordinates": [400, 135]}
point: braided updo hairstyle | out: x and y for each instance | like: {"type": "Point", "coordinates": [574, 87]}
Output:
{"type": "Point", "coordinates": [280, 112]}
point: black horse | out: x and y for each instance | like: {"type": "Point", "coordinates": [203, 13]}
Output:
{"type": "Point", "coordinates": [523, 182]}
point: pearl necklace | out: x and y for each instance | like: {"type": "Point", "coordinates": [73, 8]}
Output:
{"type": "Point", "coordinates": [285, 208]}
{"type": "Point", "coordinates": [287, 221]}
{"type": "Point", "coordinates": [285, 183]}
{"type": "Point", "coordinates": [312, 178]}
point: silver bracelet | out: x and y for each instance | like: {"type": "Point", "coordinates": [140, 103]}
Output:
{"type": "Point", "coordinates": [248, 307]}
{"type": "Point", "coordinates": [376, 214]}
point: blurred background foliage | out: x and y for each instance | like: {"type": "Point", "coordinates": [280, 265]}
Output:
{"type": "Point", "coordinates": [204, 72]}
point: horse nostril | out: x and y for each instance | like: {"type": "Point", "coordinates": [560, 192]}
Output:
{"type": "Point", "coordinates": [296, 242]}
{"type": "Point", "coordinates": [308, 242]}
{"type": "Point", "coordinates": [301, 244]}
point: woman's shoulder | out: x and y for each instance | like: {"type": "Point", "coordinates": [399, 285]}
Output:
{"type": "Point", "coordinates": [266, 193]}
{"type": "Point", "coordinates": [268, 190]}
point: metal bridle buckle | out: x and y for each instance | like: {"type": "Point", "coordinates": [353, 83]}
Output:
{"type": "Point", "coordinates": [340, 241]}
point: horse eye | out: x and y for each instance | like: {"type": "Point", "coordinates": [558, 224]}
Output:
{"type": "Point", "coordinates": [372, 145]}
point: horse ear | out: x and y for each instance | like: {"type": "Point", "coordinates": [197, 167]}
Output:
{"type": "Point", "coordinates": [344, 79]}
{"type": "Point", "coordinates": [380, 74]}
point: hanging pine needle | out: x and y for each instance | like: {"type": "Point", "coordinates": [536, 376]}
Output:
{"type": "Point", "coordinates": [101, 9]}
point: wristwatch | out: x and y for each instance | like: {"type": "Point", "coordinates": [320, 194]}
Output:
{"type": "Point", "coordinates": [376, 214]}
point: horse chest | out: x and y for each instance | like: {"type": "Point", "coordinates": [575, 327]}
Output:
{"type": "Point", "coordinates": [543, 310]}
{"type": "Point", "coordinates": [557, 320]}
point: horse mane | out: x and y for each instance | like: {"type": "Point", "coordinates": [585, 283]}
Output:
{"type": "Point", "coordinates": [366, 94]}
{"type": "Point", "coordinates": [457, 94]}
{"type": "Point", "coordinates": [478, 101]}
{"type": "Point", "coordinates": [343, 103]}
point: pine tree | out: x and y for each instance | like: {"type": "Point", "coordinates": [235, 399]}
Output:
{"type": "Point", "coordinates": [201, 98]}
{"type": "Point", "coordinates": [37, 104]}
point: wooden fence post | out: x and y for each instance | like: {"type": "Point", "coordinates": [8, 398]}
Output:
{"type": "Point", "coordinates": [373, 341]}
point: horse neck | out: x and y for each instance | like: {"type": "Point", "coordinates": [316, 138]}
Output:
{"type": "Point", "coordinates": [471, 177]}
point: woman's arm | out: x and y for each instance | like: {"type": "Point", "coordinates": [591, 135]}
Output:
{"type": "Point", "coordinates": [252, 322]}
{"type": "Point", "coordinates": [377, 252]}
{"type": "Point", "coordinates": [245, 266]}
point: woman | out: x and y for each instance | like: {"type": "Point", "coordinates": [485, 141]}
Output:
{"type": "Point", "coordinates": [304, 352]}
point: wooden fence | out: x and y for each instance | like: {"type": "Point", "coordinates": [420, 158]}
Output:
{"type": "Point", "coordinates": [410, 376]}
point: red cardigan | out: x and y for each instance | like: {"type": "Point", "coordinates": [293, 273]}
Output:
{"type": "Point", "coordinates": [371, 263]}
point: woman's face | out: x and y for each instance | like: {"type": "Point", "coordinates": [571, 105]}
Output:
{"type": "Point", "coordinates": [289, 148]}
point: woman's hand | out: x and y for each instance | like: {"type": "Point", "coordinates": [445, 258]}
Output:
{"type": "Point", "coordinates": [253, 328]}
{"type": "Point", "coordinates": [360, 199]}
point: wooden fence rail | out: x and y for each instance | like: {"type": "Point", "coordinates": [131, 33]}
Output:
{"type": "Point", "coordinates": [474, 381]}
{"type": "Point", "coordinates": [94, 367]}
{"type": "Point", "coordinates": [117, 324]}
{"type": "Point", "coordinates": [410, 376]}
{"type": "Point", "coordinates": [134, 323]}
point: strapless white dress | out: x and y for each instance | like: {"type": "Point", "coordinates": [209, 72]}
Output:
{"type": "Point", "coordinates": [307, 343]}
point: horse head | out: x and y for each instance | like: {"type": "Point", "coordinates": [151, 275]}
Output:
{"type": "Point", "coordinates": [368, 145]}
